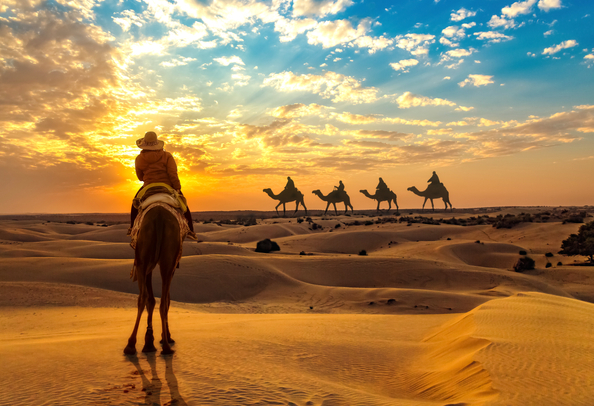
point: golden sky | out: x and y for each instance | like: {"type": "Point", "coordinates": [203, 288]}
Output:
{"type": "Point", "coordinates": [497, 100]}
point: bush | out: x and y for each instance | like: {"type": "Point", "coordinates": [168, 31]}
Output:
{"type": "Point", "coordinates": [548, 265]}
{"type": "Point", "coordinates": [549, 254]}
{"type": "Point", "coordinates": [362, 252]}
{"type": "Point", "coordinates": [581, 243]}
{"type": "Point", "coordinates": [523, 252]}
{"type": "Point", "coordinates": [524, 264]}
{"type": "Point", "coordinates": [559, 263]}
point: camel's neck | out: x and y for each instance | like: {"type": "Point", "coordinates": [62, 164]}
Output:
{"type": "Point", "coordinates": [271, 194]}
{"type": "Point", "coordinates": [417, 192]}
{"type": "Point", "coordinates": [366, 193]}
{"type": "Point", "coordinates": [321, 196]}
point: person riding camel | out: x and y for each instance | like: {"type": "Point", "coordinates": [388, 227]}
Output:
{"type": "Point", "coordinates": [339, 188]}
{"type": "Point", "coordinates": [381, 186]}
{"type": "Point", "coordinates": [155, 165]}
{"type": "Point", "coordinates": [434, 179]}
{"type": "Point", "coordinates": [290, 186]}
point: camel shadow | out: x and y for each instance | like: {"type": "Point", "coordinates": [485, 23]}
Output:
{"type": "Point", "coordinates": [153, 387]}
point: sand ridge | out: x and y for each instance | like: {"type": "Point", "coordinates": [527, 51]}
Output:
{"type": "Point", "coordinates": [431, 315]}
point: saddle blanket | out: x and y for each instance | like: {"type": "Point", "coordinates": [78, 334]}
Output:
{"type": "Point", "coordinates": [183, 230]}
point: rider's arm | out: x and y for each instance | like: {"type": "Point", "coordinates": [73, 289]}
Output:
{"type": "Point", "coordinates": [172, 172]}
{"type": "Point", "coordinates": [139, 172]}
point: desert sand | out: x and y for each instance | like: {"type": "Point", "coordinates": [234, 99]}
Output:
{"type": "Point", "coordinates": [432, 315]}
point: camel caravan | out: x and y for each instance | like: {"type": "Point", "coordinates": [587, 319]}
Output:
{"type": "Point", "coordinates": [435, 190]}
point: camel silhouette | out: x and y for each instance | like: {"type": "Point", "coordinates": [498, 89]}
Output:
{"type": "Point", "coordinates": [335, 197]}
{"type": "Point", "coordinates": [433, 191]}
{"type": "Point", "coordinates": [382, 196]}
{"type": "Point", "coordinates": [287, 196]}
{"type": "Point", "coordinates": [159, 242]}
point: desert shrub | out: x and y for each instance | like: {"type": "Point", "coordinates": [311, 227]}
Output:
{"type": "Point", "coordinates": [524, 264]}
{"type": "Point", "coordinates": [337, 226]}
{"type": "Point", "coordinates": [300, 220]}
{"type": "Point", "coordinates": [369, 223]}
{"type": "Point", "coordinates": [523, 252]}
{"type": "Point", "coordinates": [581, 243]}
{"type": "Point", "coordinates": [549, 254]}
{"type": "Point", "coordinates": [71, 222]}
{"type": "Point", "coordinates": [477, 242]}
{"type": "Point", "coordinates": [548, 265]}
{"type": "Point", "coordinates": [89, 223]}
{"type": "Point", "coordinates": [362, 252]}
{"type": "Point", "coordinates": [574, 218]}
{"type": "Point", "coordinates": [559, 263]}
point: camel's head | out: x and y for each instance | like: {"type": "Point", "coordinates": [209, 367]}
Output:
{"type": "Point", "coordinates": [363, 190]}
{"type": "Point", "coordinates": [315, 192]}
{"type": "Point", "coordinates": [268, 190]}
{"type": "Point", "coordinates": [411, 188]}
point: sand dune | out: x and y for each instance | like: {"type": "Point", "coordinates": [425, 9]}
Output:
{"type": "Point", "coordinates": [431, 315]}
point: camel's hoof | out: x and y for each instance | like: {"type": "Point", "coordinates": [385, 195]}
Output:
{"type": "Point", "coordinates": [169, 340]}
{"type": "Point", "coordinates": [167, 351]}
{"type": "Point", "coordinates": [130, 350]}
{"type": "Point", "coordinates": [149, 348]}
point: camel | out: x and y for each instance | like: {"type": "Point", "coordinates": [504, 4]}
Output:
{"type": "Point", "coordinates": [286, 197]}
{"type": "Point", "coordinates": [159, 242]}
{"type": "Point", "coordinates": [388, 196]}
{"type": "Point", "coordinates": [335, 197]}
{"type": "Point", "coordinates": [433, 191]}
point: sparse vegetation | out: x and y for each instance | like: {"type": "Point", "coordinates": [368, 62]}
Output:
{"type": "Point", "coordinates": [581, 243]}
{"type": "Point", "coordinates": [549, 254]}
{"type": "Point", "coordinates": [524, 264]}
{"type": "Point", "coordinates": [548, 265]}
{"type": "Point", "coordinates": [523, 252]}
{"type": "Point", "coordinates": [362, 252]}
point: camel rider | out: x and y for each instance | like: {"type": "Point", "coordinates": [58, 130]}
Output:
{"type": "Point", "coordinates": [339, 188]}
{"type": "Point", "coordinates": [381, 186]}
{"type": "Point", "coordinates": [290, 186]}
{"type": "Point", "coordinates": [155, 165]}
{"type": "Point", "coordinates": [434, 179]}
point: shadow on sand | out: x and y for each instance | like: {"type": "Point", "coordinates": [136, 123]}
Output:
{"type": "Point", "coordinates": [153, 386]}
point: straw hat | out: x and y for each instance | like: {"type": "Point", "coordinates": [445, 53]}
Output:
{"type": "Point", "coordinates": [150, 142]}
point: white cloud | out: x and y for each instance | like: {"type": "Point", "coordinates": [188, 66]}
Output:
{"type": "Point", "coordinates": [226, 61]}
{"type": "Point", "coordinates": [462, 14]}
{"type": "Point", "coordinates": [556, 48]}
{"type": "Point", "coordinates": [319, 8]}
{"type": "Point", "coordinates": [416, 44]}
{"type": "Point", "coordinates": [589, 56]}
{"type": "Point", "coordinates": [520, 7]}
{"type": "Point", "coordinates": [463, 108]}
{"type": "Point", "coordinates": [298, 110]}
{"type": "Point", "coordinates": [459, 53]}
{"type": "Point", "coordinates": [492, 36]}
{"type": "Point", "coordinates": [476, 80]}
{"type": "Point", "coordinates": [447, 78]}
{"type": "Point", "coordinates": [177, 62]}
{"type": "Point", "coordinates": [546, 5]}
{"type": "Point", "coordinates": [290, 28]}
{"type": "Point", "coordinates": [127, 19]}
{"type": "Point", "coordinates": [331, 85]}
{"type": "Point", "coordinates": [332, 33]}
{"type": "Point", "coordinates": [547, 33]}
{"type": "Point", "coordinates": [468, 25]}
{"type": "Point", "coordinates": [404, 64]}
{"type": "Point", "coordinates": [497, 21]}
{"type": "Point", "coordinates": [407, 100]}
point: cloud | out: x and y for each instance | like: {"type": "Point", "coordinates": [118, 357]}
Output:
{"type": "Point", "coordinates": [422, 123]}
{"type": "Point", "coordinates": [520, 7]}
{"type": "Point", "coordinates": [476, 80]}
{"type": "Point", "coordinates": [416, 44]}
{"type": "Point", "coordinates": [331, 85]}
{"type": "Point", "coordinates": [298, 110]}
{"type": "Point", "coordinates": [404, 64]}
{"type": "Point", "coordinates": [127, 19]}
{"type": "Point", "coordinates": [463, 108]}
{"type": "Point", "coordinates": [492, 36]}
{"type": "Point", "coordinates": [459, 53]}
{"type": "Point", "coordinates": [319, 8]}
{"type": "Point", "coordinates": [546, 5]}
{"type": "Point", "coordinates": [332, 33]}
{"type": "Point", "coordinates": [497, 21]}
{"type": "Point", "coordinates": [180, 61]}
{"type": "Point", "coordinates": [350, 118]}
{"type": "Point", "coordinates": [407, 100]}
{"type": "Point", "coordinates": [556, 48]}
{"type": "Point", "coordinates": [462, 14]}
{"type": "Point", "coordinates": [290, 28]}
{"type": "Point", "coordinates": [226, 61]}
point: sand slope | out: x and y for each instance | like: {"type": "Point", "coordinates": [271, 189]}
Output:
{"type": "Point", "coordinates": [431, 315]}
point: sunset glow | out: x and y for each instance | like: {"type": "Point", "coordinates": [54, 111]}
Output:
{"type": "Point", "coordinates": [496, 97]}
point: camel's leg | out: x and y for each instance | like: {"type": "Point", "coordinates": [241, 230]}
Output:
{"type": "Point", "coordinates": [396, 203]}
{"type": "Point", "coordinates": [164, 310]}
{"type": "Point", "coordinates": [296, 206]}
{"type": "Point", "coordinates": [432, 207]}
{"type": "Point", "coordinates": [142, 297]}
{"type": "Point", "coordinates": [149, 338]}
{"type": "Point", "coordinates": [276, 208]}
{"type": "Point", "coordinates": [304, 208]}
{"type": "Point", "coordinates": [335, 211]}
{"type": "Point", "coordinates": [389, 206]}
{"type": "Point", "coordinates": [284, 210]}
{"type": "Point", "coordinates": [169, 339]}
{"type": "Point", "coordinates": [423, 208]}
{"type": "Point", "coordinates": [378, 203]}
{"type": "Point", "coordinates": [327, 205]}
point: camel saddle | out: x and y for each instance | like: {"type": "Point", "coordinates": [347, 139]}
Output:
{"type": "Point", "coordinates": [159, 192]}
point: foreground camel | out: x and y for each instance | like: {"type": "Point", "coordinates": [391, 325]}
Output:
{"type": "Point", "coordinates": [159, 242]}
{"type": "Point", "coordinates": [335, 197]}
{"type": "Point", "coordinates": [433, 191]}
{"type": "Point", "coordinates": [388, 196]}
{"type": "Point", "coordinates": [286, 197]}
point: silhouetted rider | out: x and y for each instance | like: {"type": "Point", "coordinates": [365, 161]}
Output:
{"type": "Point", "coordinates": [434, 179]}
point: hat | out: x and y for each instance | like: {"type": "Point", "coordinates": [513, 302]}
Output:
{"type": "Point", "coordinates": [150, 142]}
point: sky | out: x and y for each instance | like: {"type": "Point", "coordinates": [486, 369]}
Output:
{"type": "Point", "coordinates": [495, 96]}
